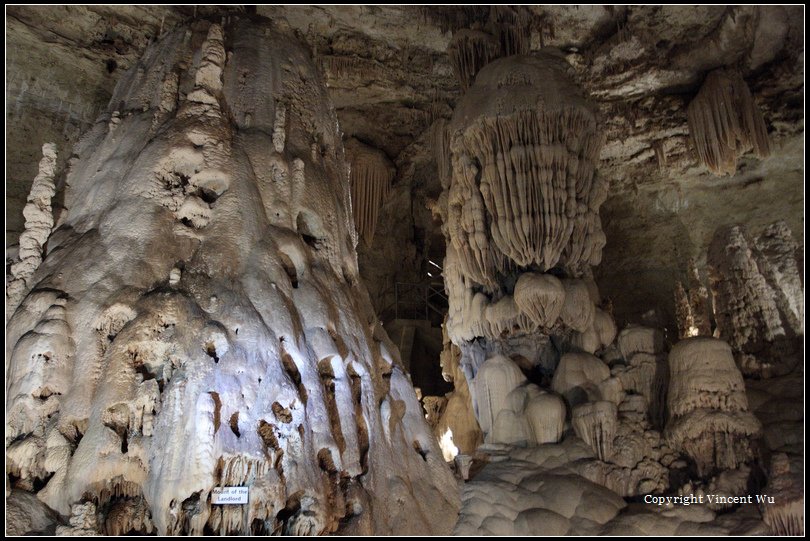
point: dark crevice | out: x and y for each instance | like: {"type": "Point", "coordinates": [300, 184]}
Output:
{"type": "Point", "coordinates": [289, 268]}
{"type": "Point", "coordinates": [211, 351]}
{"type": "Point", "coordinates": [293, 373]}
{"type": "Point", "coordinates": [234, 422]}
{"type": "Point", "coordinates": [209, 196]}
{"type": "Point", "coordinates": [291, 509]}
{"type": "Point", "coordinates": [362, 428]}
{"type": "Point", "coordinates": [418, 448]}
{"type": "Point", "coordinates": [217, 409]}
{"type": "Point", "coordinates": [328, 381]}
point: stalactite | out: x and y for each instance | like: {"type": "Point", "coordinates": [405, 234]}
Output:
{"type": "Point", "coordinates": [440, 142]}
{"type": "Point", "coordinates": [725, 122]}
{"type": "Point", "coordinates": [524, 192]}
{"type": "Point", "coordinates": [469, 51]}
{"type": "Point", "coordinates": [371, 176]}
{"type": "Point", "coordinates": [540, 297]}
{"type": "Point", "coordinates": [511, 27]}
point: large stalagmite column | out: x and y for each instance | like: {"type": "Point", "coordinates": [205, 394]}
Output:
{"type": "Point", "coordinates": [521, 216]}
{"type": "Point", "coordinates": [198, 319]}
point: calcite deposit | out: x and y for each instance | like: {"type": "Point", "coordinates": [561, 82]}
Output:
{"type": "Point", "coordinates": [757, 296]}
{"type": "Point", "coordinates": [38, 225]}
{"type": "Point", "coordinates": [581, 227]}
{"type": "Point", "coordinates": [708, 408]}
{"type": "Point", "coordinates": [371, 175]}
{"type": "Point", "coordinates": [725, 122]}
{"type": "Point", "coordinates": [198, 320]}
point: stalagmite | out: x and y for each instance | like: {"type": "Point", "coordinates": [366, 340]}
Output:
{"type": "Point", "coordinates": [371, 176]}
{"type": "Point", "coordinates": [201, 322]}
{"type": "Point", "coordinates": [38, 224]}
{"type": "Point", "coordinates": [495, 380]}
{"type": "Point", "coordinates": [546, 415]}
{"type": "Point", "coordinates": [578, 378]}
{"type": "Point", "coordinates": [754, 316]}
{"type": "Point", "coordinates": [595, 423]}
{"type": "Point", "coordinates": [708, 411]}
{"type": "Point", "coordinates": [725, 122]}
{"type": "Point", "coordinates": [779, 264]}
{"type": "Point", "coordinates": [458, 418]}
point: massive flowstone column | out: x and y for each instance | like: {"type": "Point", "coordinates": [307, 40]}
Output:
{"type": "Point", "coordinates": [198, 319]}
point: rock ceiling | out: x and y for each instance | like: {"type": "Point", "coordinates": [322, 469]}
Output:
{"type": "Point", "coordinates": [389, 78]}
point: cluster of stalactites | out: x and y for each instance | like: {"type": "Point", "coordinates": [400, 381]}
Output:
{"type": "Point", "coordinates": [371, 176]}
{"type": "Point", "coordinates": [525, 193]}
{"type": "Point", "coordinates": [506, 33]}
{"type": "Point", "coordinates": [725, 122]}
{"type": "Point", "coordinates": [469, 51]}
{"type": "Point", "coordinates": [511, 27]}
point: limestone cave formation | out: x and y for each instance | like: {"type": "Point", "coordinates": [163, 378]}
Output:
{"type": "Point", "coordinates": [404, 270]}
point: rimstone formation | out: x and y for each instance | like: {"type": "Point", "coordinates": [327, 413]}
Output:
{"type": "Point", "coordinates": [405, 270]}
{"type": "Point", "coordinates": [198, 319]}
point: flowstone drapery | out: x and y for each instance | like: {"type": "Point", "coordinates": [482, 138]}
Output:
{"type": "Point", "coordinates": [198, 320]}
{"type": "Point", "coordinates": [725, 122]}
{"type": "Point", "coordinates": [370, 178]}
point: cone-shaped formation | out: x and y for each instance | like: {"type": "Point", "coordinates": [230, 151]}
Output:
{"type": "Point", "coordinates": [725, 122]}
{"type": "Point", "coordinates": [578, 378]}
{"type": "Point", "coordinates": [38, 224]}
{"type": "Point", "coordinates": [200, 323]}
{"type": "Point", "coordinates": [709, 418]}
{"type": "Point", "coordinates": [371, 176]}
